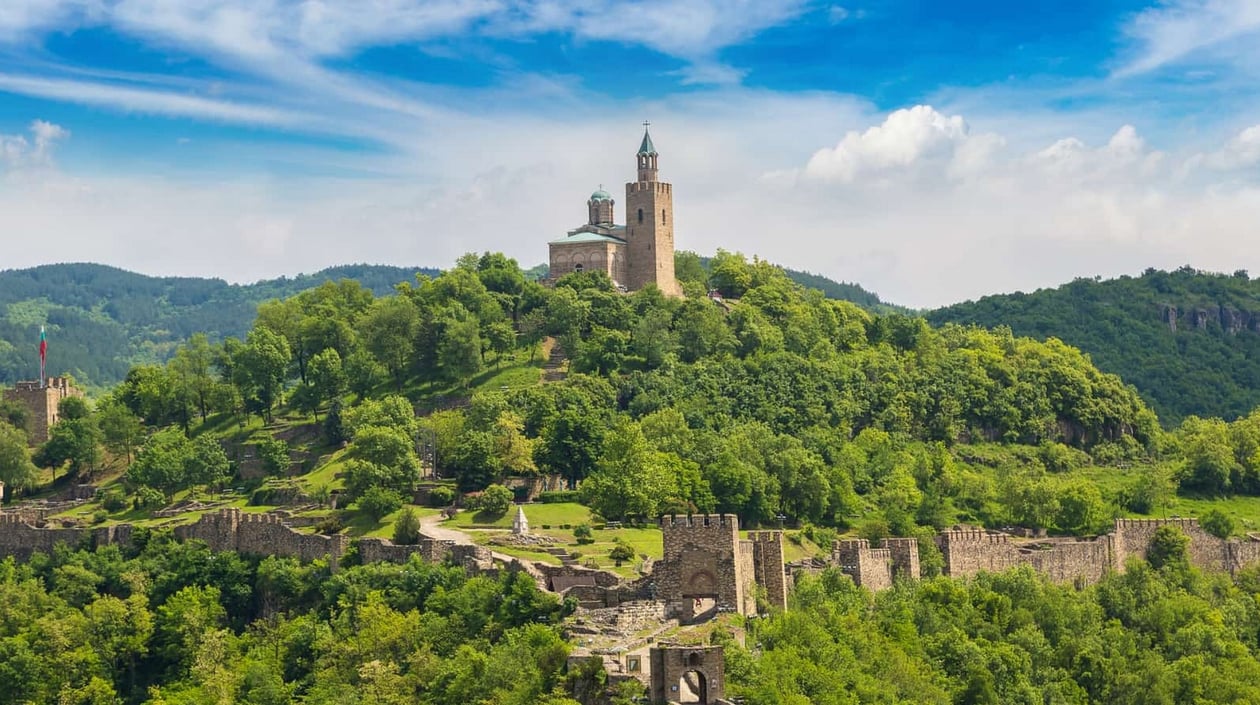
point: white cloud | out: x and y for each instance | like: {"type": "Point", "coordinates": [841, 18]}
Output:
{"type": "Point", "coordinates": [17, 152]}
{"type": "Point", "coordinates": [1180, 29]}
{"type": "Point", "coordinates": [906, 139]}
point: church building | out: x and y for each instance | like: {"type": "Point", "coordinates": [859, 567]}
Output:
{"type": "Point", "coordinates": [633, 255]}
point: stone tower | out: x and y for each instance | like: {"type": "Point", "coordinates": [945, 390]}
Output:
{"type": "Point", "coordinates": [42, 399]}
{"type": "Point", "coordinates": [650, 226]}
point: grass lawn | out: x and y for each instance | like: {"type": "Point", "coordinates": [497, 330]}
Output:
{"type": "Point", "coordinates": [553, 515]}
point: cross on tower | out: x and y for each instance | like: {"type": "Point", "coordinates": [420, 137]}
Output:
{"type": "Point", "coordinates": [646, 123]}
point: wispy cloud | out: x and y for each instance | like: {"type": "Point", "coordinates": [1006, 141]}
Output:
{"type": "Point", "coordinates": [144, 100]}
{"type": "Point", "coordinates": [1181, 29]}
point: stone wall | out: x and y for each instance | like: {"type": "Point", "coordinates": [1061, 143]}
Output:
{"type": "Point", "coordinates": [263, 535]}
{"type": "Point", "coordinates": [42, 402]}
{"type": "Point", "coordinates": [669, 664]}
{"type": "Point", "coordinates": [904, 554]}
{"type": "Point", "coordinates": [19, 539]}
{"type": "Point", "coordinates": [869, 567]}
{"type": "Point", "coordinates": [768, 566]}
{"type": "Point", "coordinates": [1133, 536]}
{"type": "Point", "coordinates": [607, 257]}
{"type": "Point", "coordinates": [701, 560]}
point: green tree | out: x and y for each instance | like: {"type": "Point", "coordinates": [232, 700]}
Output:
{"type": "Point", "coordinates": [378, 502]}
{"type": "Point", "coordinates": [1217, 523]}
{"type": "Point", "coordinates": [407, 527]}
{"type": "Point", "coordinates": [17, 472]}
{"type": "Point", "coordinates": [121, 430]}
{"type": "Point", "coordinates": [388, 330]}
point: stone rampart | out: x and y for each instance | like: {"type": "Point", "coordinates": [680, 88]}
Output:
{"type": "Point", "coordinates": [1132, 537]}
{"type": "Point", "coordinates": [19, 539]}
{"type": "Point", "coordinates": [869, 567]}
{"type": "Point", "coordinates": [263, 535]}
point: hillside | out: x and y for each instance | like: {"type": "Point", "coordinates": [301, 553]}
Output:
{"type": "Point", "coordinates": [1189, 341]}
{"type": "Point", "coordinates": [101, 320]}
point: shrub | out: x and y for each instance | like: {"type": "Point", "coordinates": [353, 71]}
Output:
{"type": "Point", "coordinates": [494, 500]}
{"type": "Point", "coordinates": [99, 516]}
{"type": "Point", "coordinates": [583, 534]}
{"type": "Point", "coordinates": [1217, 523]}
{"type": "Point", "coordinates": [274, 455]}
{"type": "Point", "coordinates": [113, 501]}
{"type": "Point", "coordinates": [441, 497]}
{"type": "Point", "coordinates": [377, 502]}
{"type": "Point", "coordinates": [407, 528]}
{"type": "Point", "coordinates": [558, 497]}
{"type": "Point", "coordinates": [622, 551]}
{"type": "Point", "coordinates": [329, 526]}
{"type": "Point", "coordinates": [149, 498]}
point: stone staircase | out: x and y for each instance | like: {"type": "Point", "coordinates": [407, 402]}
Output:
{"type": "Point", "coordinates": [554, 369]}
{"type": "Point", "coordinates": [562, 554]}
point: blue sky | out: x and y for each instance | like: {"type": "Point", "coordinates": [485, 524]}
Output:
{"type": "Point", "coordinates": [931, 151]}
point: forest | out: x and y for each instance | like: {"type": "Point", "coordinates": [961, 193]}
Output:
{"type": "Point", "coordinates": [752, 395]}
{"type": "Point", "coordinates": [102, 320]}
{"type": "Point", "coordinates": [1204, 362]}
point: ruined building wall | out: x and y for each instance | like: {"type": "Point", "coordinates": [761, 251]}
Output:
{"type": "Point", "coordinates": [768, 566]}
{"type": "Point", "coordinates": [904, 554]}
{"type": "Point", "coordinates": [969, 550]}
{"type": "Point", "coordinates": [1071, 561]}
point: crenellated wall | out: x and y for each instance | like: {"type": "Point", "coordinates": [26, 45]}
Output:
{"type": "Point", "coordinates": [702, 559]}
{"type": "Point", "coordinates": [263, 535]}
{"type": "Point", "coordinates": [869, 567]}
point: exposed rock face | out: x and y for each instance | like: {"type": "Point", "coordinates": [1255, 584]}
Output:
{"type": "Point", "coordinates": [1169, 315]}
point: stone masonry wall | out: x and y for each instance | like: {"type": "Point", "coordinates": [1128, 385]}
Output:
{"type": "Point", "coordinates": [700, 559]}
{"type": "Point", "coordinates": [869, 567]}
{"type": "Point", "coordinates": [904, 553]}
{"type": "Point", "coordinates": [20, 540]}
{"type": "Point", "coordinates": [261, 534]}
{"type": "Point", "coordinates": [1133, 536]}
{"type": "Point", "coordinates": [768, 565]}
{"type": "Point", "coordinates": [42, 402]}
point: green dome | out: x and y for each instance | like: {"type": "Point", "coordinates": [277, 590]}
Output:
{"type": "Point", "coordinates": [601, 195]}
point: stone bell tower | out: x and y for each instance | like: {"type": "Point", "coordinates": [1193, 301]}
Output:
{"type": "Point", "coordinates": [650, 225]}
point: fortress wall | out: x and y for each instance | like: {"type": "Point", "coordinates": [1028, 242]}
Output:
{"type": "Point", "coordinates": [968, 551]}
{"type": "Point", "coordinates": [768, 567]}
{"type": "Point", "coordinates": [1133, 536]}
{"type": "Point", "coordinates": [701, 558]}
{"type": "Point", "coordinates": [905, 557]}
{"type": "Point", "coordinates": [746, 574]}
{"type": "Point", "coordinates": [19, 539]}
{"type": "Point", "coordinates": [1072, 561]}
{"type": "Point", "coordinates": [384, 550]}
{"type": "Point", "coordinates": [261, 534]}
{"type": "Point", "coordinates": [869, 567]}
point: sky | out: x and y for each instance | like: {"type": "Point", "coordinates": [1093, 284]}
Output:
{"type": "Point", "coordinates": [932, 152]}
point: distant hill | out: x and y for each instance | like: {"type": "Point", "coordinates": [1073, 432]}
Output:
{"type": "Point", "coordinates": [101, 320]}
{"type": "Point", "coordinates": [1189, 341]}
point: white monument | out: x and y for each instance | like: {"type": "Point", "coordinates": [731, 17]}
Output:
{"type": "Point", "coordinates": [520, 525]}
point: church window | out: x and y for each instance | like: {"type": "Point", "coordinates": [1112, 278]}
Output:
{"type": "Point", "coordinates": [640, 215]}
{"type": "Point", "coordinates": [577, 267]}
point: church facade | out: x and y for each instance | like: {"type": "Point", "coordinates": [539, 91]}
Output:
{"type": "Point", "coordinates": [635, 254]}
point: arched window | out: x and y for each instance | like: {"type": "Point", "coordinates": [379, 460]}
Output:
{"type": "Point", "coordinates": [640, 215]}
{"type": "Point", "coordinates": [662, 216]}
{"type": "Point", "coordinates": [577, 267]}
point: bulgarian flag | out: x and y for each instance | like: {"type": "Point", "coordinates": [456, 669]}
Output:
{"type": "Point", "coordinates": [43, 353]}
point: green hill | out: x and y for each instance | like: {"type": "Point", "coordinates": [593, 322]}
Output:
{"type": "Point", "coordinates": [1188, 340]}
{"type": "Point", "coordinates": [101, 320]}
